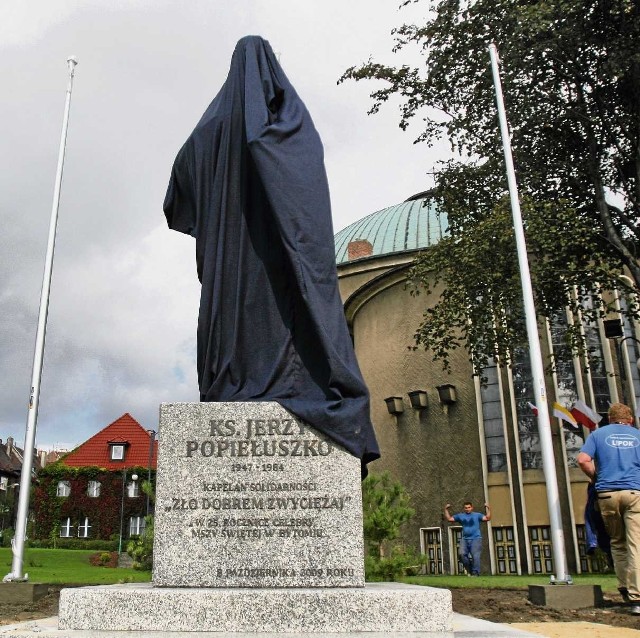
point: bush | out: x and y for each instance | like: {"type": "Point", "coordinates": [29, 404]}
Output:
{"type": "Point", "coordinates": [402, 561]}
{"type": "Point", "coordinates": [386, 508]}
{"type": "Point", "coordinates": [141, 548]}
{"type": "Point", "coordinates": [104, 559]}
{"type": "Point", "coordinates": [7, 537]}
{"type": "Point", "coordinates": [74, 543]}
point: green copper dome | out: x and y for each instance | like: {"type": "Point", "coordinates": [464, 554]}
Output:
{"type": "Point", "coordinates": [413, 224]}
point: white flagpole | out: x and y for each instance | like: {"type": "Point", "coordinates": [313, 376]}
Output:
{"type": "Point", "coordinates": [36, 374]}
{"type": "Point", "coordinates": [537, 368]}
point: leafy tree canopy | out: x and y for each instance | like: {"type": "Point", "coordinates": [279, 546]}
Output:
{"type": "Point", "coordinates": [571, 79]}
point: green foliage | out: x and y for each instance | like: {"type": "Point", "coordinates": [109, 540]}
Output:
{"type": "Point", "coordinates": [571, 78]}
{"type": "Point", "coordinates": [7, 536]}
{"type": "Point", "coordinates": [141, 548]}
{"type": "Point", "coordinates": [104, 559]}
{"type": "Point", "coordinates": [385, 505]}
{"type": "Point", "coordinates": [147, 490]}
{"type": "Point", "coordinates": [402, 561]}
{"type": "Point", "coordinates": [55, 542]}
{"type": "Point", "coordinates": [478, 279]}
{"type": "Point", "coordinates": [103, 511]}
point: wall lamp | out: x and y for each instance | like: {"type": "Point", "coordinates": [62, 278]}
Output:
{"type": "Point", "coordinates": [418, 399]}
{"type": "Point", "coordinates": [447, 393]}
{"type": "Point", "coordinates": [613, 328]}
{"type": "Point", "coordinates": [394, 405]}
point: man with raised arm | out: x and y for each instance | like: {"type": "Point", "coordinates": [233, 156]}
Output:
{"type": "Point", "coordinates": [471, 541]}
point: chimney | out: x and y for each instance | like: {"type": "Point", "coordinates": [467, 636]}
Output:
{"type": "Point", "coordinates": [359, 248]}
{"type": "Point", "coordinates": [43, 458]}
{"type": "Point", "coordinates": [9, 445]}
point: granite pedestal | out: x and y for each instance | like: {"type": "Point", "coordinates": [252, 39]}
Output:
{"type": "Point", "coordinates": [566, 596]}
{"type": "Point", "coordinates": [258, 528]}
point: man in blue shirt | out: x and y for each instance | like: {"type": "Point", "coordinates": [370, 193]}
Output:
{"type": "Point", "coordinates": [471, 541]}
{"type": "Point", "coordinates": [610, 457]}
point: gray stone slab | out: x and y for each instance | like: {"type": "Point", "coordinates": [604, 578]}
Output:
{"type": "Point", "coordinates": [463, 627]}
{"type": "Point", "coordinates": [566, 596]}
{"type": "Point", "coordinates": [19, 592]}
{"type": "Point", "coordinates": [249, 496]}
{"type": "Point", "coordinates": [381, 607]}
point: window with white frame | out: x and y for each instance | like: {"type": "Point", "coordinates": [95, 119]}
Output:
{"type": "Point", "coordinates": [117, 452]}
{"type": "Point", "coordinates": [93, 489]}
{"type": "Point", "coordinates": [4, 483]}
{"type": "Point", "coordinates": [132, 489]}
{"type": "Point", "coordinates": [136, 525]}
{"type": "Point", "coordinates": [84, 528]}
{"type": "Point", "coordinates": [66, 529]}
{"type": "Point", "coordinates": [64, 488]}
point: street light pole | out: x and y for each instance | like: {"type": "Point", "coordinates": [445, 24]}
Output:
{"type": "Point", "coordinates": [152, 438]}
{"type": "Point", "coordinates": [134, 478]}
{"type": "Point", "coordinates": [36, 375]}
{"type": "Point", "coordinates": [537, 368]}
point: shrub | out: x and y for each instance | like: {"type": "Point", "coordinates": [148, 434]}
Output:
{"type": "Point", "coordinates": [402, 561]}
{"type": "Point", "coordinates": [386, 507]}
{"type": "Point", "coordinates": [7, 537]}
{"type": "Point", "coordinates": [141, 548]}
{"type": "Point", "coordinates": [75, 543]}
{"type": "Point", "coordinates": [104, 559]}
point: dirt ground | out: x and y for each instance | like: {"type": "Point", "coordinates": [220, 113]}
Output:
{"type": "Point", "coordinates": [503, 606]}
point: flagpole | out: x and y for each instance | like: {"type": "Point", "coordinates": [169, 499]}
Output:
{"type": "Point", "coordinates": [535, 354]}
{"type": "Point", "coordinates": [30, 435]}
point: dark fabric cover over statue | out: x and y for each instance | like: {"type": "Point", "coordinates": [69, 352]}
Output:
{"type": "Point", "coordinates": [250, 185]}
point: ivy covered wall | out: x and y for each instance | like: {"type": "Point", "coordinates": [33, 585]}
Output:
{"type": "Point", "coordinates": [103, 511]}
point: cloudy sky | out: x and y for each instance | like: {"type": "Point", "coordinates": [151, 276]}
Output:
{"type": "Point", "coordinates": [122, 318]}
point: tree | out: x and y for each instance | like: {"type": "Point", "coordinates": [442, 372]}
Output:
{"type": "Point", "coordinates": [385, 506]}
{"type": "Point", "coordinates": [571, 76]}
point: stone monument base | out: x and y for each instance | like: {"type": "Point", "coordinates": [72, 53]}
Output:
{"type": "Point", "coordinates": [377, 607]}
{"type": "Point", "coordinates": [566, 596]}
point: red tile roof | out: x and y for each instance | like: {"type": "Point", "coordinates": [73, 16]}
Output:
{"type": "Point", "coordinates": [96, 450]}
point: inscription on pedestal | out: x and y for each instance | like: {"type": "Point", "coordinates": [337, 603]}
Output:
{"type": "Point", "coordinates": [250, 496]}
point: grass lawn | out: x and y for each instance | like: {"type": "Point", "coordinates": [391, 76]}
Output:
{"type": "Point", "coordinates": [608, 582]}
{"type": "Point", "coordinates": [70, 567]}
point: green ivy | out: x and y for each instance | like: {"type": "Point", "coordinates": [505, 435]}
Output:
{"type": "Point", "coordinates": [103, 511]}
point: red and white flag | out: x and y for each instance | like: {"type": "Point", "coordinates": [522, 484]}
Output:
{"type": "Point", "coordinates": [584, 415]}
{"type": "Point", "coordinates": [533, 408]}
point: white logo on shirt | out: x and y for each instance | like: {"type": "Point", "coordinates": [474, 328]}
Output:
{"type": "Point", "coordinates": [622, 441]}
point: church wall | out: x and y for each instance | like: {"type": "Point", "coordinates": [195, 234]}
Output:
{"type": "Point", "coordinates": [435, 453]}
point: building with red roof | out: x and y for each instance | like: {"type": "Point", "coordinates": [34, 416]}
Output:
{"type": "Point", "coordinates": [122, 444]}
{"type": "Point", "coordinates": [94, 491]}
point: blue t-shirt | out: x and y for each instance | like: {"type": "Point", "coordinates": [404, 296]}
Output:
{"type": "Point", "coordinates": [470, 524]}
{"type": "Point", "coordinates": [615, 449]}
